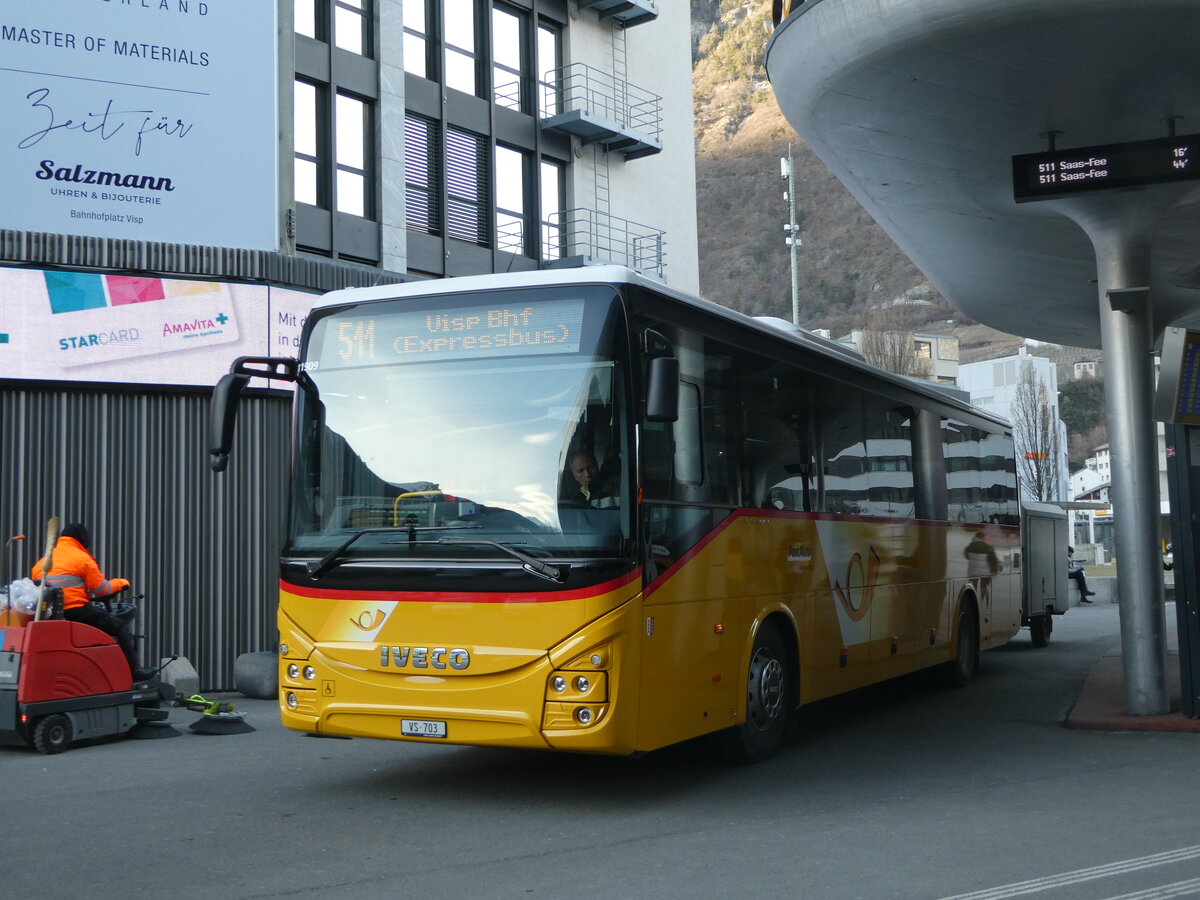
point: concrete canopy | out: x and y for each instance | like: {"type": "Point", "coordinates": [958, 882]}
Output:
{"type": "Point", "coordinates": [919, 105]}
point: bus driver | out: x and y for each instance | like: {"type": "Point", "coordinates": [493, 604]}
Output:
{"type": "Point", "coordinates": [591, 491]}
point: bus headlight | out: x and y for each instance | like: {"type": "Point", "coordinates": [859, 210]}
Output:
{"type": "Point", "coordinates": [293, 671]}
{"type": "Point", "coordinates": [576, 686]}
{"type": "Point", "coordinates": [309, 673]}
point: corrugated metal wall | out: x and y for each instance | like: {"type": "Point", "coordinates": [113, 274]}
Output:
{"type": "Point", "coordinates": [133, 466]}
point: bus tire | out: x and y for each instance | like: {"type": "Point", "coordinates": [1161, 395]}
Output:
{"type": "Point", "coordinates": [770, 696]}
{"type": "Point", "coordinates": [960, 670]}
{"type": "Point", "coordinates": [1040, 628]}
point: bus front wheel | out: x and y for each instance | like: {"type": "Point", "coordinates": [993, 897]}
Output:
{"type": "Point", "coordinates": [770, 696]}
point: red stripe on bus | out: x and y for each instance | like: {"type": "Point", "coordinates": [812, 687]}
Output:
{"type": "Point", "coordinates": [460, 596]}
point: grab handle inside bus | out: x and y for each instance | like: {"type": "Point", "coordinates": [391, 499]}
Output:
{"type": "Point", "coordinates": [662, 390]}
{"type": "Point", "coordinates": [222, 414]}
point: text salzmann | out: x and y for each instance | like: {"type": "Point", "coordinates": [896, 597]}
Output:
{"type": "Point", "coordinates": [80, 175]}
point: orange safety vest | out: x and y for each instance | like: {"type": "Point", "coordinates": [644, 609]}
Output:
{"type": "Point", "coordinates": [75, 572]}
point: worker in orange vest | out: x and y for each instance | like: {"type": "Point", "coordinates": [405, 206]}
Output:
{"type": "Point", "coordinates": [75, 571]}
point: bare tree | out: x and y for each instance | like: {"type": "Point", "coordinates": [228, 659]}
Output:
{"type": "Point", "coordinates": [1035, 430]}
{"type": "Point", "coordinates": [888, 340]}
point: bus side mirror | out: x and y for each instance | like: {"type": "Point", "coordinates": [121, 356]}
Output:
{"type": "Point", "coordinates": [221, 417]}
{"type": "Point", "coordinates": [222, 414]}
{"type": "Point", "coordinates": [662, 390]}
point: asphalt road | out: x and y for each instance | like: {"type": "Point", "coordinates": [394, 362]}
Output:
{"type": "Point", "coordinates": [908, 790]}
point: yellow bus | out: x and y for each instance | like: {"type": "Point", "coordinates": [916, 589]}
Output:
{"type": "Point", "coordinates": [578, 510]}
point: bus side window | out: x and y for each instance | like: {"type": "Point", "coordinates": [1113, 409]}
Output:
{"type": "Point", "coordinates": [689, 458]}
{"type": "Point", "coordinates": [843, 440]}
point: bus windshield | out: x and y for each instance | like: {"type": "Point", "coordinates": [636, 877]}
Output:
{"type": "Point", "coordinates": [451, 424]}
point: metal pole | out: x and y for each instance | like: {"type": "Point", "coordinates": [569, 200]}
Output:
{"type": "Point", "coordinates": [1123, 267]}
{"type": "Point", "coordinates": [1120, 229]}
{"type": "Point", "coordinates": [793, 234]}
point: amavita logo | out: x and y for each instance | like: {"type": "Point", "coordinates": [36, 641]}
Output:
{"type": "Point", "coordinates": [195, 326]}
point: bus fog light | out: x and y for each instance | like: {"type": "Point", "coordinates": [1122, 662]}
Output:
{"type": "Point", "coordinates": [559, 684]}
{"type": "Point", "coordinates": [582, 684]}
{"type": "Point", "coordinates": [309, 673]}
{"type": "Point", "coordinates": [292, 700]}
{"type": "Point", "coordinates": [293, 671]}
{"type": "Point", "coordinates": [583, 715]}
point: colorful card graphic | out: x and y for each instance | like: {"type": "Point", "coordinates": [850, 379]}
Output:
{"type": "Point", "coordinates": [100, 318]}
{"type": "Point", "coordinates": [126, 329]}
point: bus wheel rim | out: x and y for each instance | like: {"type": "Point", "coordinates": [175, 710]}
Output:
{"type": "Point", "coordinates": [765, 700]}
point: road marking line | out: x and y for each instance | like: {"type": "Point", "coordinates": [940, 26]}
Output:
{"type": "Point", "coordinates": [1036, 885]}
{"type": "Point", "coordinates": [1188, 888]}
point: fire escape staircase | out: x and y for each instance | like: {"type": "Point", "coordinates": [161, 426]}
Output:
{"type": "Point", "coordinates": [599, 108]}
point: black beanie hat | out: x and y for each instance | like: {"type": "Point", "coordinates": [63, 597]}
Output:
{"type": "Point", "coordinates": [78, 531]}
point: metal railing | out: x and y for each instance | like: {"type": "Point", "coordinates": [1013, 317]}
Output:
{"type": "Point", "coordinates": [582, 88]}
{"type": "Point", "coordinates": [574, 236]}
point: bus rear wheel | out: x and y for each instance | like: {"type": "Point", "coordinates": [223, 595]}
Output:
{"type": "Point", "coordinates": [1040, 628]}
{"type": "Point", "coordinates": [770, 697]}
{"type": "Point", "coordinates": [960, 670]}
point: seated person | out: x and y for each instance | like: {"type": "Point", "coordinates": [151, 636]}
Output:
{"type": "Point", "coordinates": [590, 491]}
{"type": "Point", "coordinates": [75, 571]}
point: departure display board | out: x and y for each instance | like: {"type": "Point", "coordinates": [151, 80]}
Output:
{"type": "Point", "coordinates": [1177, 397]}
{"type": "Point", "coordinates": [1062, 173]}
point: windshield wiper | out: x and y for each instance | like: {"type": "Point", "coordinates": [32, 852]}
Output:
{"type": "Point", "coordinates": [528, 563]}
{"type": "Point", "coordinates": [325, 563]}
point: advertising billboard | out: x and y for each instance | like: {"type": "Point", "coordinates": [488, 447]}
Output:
{"type": "Point", "coordinates": [147, 120]}
{"type": "Point", "coordinates": [89, 326]}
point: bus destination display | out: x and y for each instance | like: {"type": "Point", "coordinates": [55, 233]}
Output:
{"type": "Point", "coordinates": [1061, 173]}
{"type": "Point", "coordinates": [359, 338]}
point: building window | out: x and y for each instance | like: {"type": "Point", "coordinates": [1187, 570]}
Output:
{"type": "Point", "coordinates": [923, 349]}
{"type": "Point", "coordinates": [350, 191]}
{"type": "Point", "coordinates": [509, 66]}
{"type": "Point", "coordinates": [553, 199]}
{"type": "Point", "coordinates": [308, 128]}
{"type": "Point", "coordinates": [511, 201]}
{"type": "Point", "coordinates": [307, 22]}
{"type": "Point", "coordinates": [351, 26]}
{"type": "Point", "coordinates": [461, 58]}
{"type": "Point", "coordinates": [335, 145]}
{"type": "Point", "coordinates": [353, 134]}
{"type": "Point", "coordinates": [467, 180]}
{"type": "Point", "coordinates": [549, 58]}
{"type": "Point", "coordinates": [416, 38]}
{"type": "Point", "coordinates": [422, 186]}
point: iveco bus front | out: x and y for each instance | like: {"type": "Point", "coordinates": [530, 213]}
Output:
{"type": "Point", "coordinates": [442, 576]}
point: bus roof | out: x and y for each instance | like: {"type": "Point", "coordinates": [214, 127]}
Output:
{"type": "Point", "coordinates": [780, 329]}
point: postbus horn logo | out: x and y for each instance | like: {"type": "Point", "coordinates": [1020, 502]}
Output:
{"type": "Point", "coordinates": [369, 621]}
{"type": "Point", "coordinates": [855, 597]}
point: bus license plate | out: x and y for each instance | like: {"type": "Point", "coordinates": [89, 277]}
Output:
{"type": "Point", "coordinates": [425, 728]}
